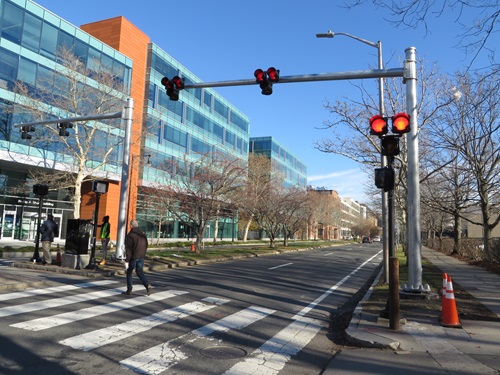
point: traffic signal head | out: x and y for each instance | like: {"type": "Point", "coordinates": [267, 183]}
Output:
{"type": "Point", "coordinates": [25, 129]}
{"type": "Point", "coordinates": [173, 86]}
{"type": "Point", "coordinates": [273, 74]}
{"type": "Point", "coordinates": [378, 125]}
{"type": "Point", "coordinates": [266, 79]}
{"type": "Point", "coordinates": [384, 178]}
{"type": "Point", "coordinates": [390, 145]}
{"type": "Point", "coordinates": [400, 123]}
{"type": "Point", "coordinates": [62, 128]}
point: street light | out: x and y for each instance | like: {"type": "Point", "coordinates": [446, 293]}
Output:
{"type": "Point", "coordinates": [383, 160]}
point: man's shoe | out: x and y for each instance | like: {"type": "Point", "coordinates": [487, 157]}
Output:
{"type": "Point", "coordinates": [148, 289]}
{"type": "Point", "coordinates": [103, 262]}
{"type": "Point", "coordinates": [127, 292]}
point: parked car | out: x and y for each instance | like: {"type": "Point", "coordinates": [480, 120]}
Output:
{"type": "Point", "coordinates": [376, 239]}
{"type": "Point", "coordinates": [366, 239]}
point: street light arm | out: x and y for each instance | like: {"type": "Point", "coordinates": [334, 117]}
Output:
{"type": "Point", "coordinates": [331, 34]}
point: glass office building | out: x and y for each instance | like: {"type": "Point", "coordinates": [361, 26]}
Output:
{"type": "Point", "coordinates": [30, 38]}
{"type": "Point", "coordinates": [201, 122]}
{"type": "Point", "coordinates": [293, 169]}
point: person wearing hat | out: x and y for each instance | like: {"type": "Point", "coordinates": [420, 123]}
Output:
{"type": "Point", "coordinates": [105, 238]}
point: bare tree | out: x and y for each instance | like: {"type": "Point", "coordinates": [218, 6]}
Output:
{"type": "Point", "coordinates": [198, 189]}
{"type": "Point", "coordinates": [260, 177]}
{"type": "Point", "coordinates": [472, 128]}
{"type": "Point", "coordinates": [474, 36]}
{"type": "Point", "coordinates": [72, 89]}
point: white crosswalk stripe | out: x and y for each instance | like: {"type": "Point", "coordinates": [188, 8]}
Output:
{"type": "Point", "coordinates": [91, 312]}
{"type": "Point", "coordinates": [94, 339]}
{"type": "Point", "coordinates": [272, 357]}
{"type": "Point", "coordinates": [57, 302]}
{"type": "Point", "coordinates": [163, 356]}
{"type": "Point", "coordinates": [269, 358]}
{"type": "Point", "coordinates": [55, 289]}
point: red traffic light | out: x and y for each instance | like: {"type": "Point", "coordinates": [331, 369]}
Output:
{"type": "Point", "coordinates": [273, 74]}
{"type": "Point", "coordinates": [260, 76]}
{"type": "Point", "coordinates": [400, 123]}
{"type": "Point", "coordinates": [378, 125]}
{"type": "Point", "coordinates": [165, 82]}
{"type": "Point", "coordinates": [178, 82]}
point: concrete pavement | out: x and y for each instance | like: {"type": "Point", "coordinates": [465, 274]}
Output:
{"type": "Point", "coordinates": [424, 346]}
{"type": "Point", "coordinates": [419, 347]}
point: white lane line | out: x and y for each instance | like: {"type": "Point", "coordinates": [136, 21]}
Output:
{"type": "Point", "coordinates": [55, 289]}
{"type": "Point", "coordinates": [161, 357]}
{"type": "Point", "coordinates": [313, 304]}
{"type": "Point", "coordinates": [283, 265]}
{"type": "Point", "coordinates": [95, 339]}
{"type": "Point", "coordinates": [273, 355]}
{"type": "Point", "coordinates": [93, 311]}
{"type": "Point", "coordinates": [327, 254]}
{"type": "Point", "coordinates": [56, 302]}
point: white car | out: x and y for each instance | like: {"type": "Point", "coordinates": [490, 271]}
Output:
{"type": "Point", "coordinates": [376, 239]}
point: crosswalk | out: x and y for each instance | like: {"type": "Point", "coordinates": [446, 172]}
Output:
{"type": "Point", "coordinates": [25, 309]}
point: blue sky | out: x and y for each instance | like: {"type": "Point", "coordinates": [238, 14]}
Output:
{"type": "Point", "coordinates": [228, 39]}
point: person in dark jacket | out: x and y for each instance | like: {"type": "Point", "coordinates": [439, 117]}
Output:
{"type": "Point", "coordinates": [136, 245]}
{"type": "Point", "coordinates": [48, 230]}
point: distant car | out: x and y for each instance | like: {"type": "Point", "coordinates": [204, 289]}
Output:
{"type": "Point", "coordinates": [366, 239]}
{"type": "Point", "coordinates": [376, 239]}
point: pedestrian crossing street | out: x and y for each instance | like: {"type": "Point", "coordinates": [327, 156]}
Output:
{"type": "Point", "coordinates": [269, 358]}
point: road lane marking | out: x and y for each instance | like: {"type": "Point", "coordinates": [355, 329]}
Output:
{"type": "Point", "coordinates": [313, 304]}
{"type": "Point", "coordinates": [283, 265]}
{"type": "Point", "coordinates": [95, 339]}
{"type": "Point", "coordinates": [57, 302]}
{"type": "Point", "coordinates": [273, 355]}
{"type": "Point", "coordinates": [55, 289]}
{"type": "Point", "coordinates": [93, 311]}
{"type": "Point", "coordinates": [161, 357]}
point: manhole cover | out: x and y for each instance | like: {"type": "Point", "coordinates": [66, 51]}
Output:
{"type": "Point", "coordinates": [223, 352]}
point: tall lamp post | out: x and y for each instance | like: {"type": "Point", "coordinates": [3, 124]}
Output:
{"type": "Point", "coordinates": [383, 160]}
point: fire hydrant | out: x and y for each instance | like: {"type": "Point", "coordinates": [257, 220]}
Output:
{"type": "Point", "coordinates": [192, 246]}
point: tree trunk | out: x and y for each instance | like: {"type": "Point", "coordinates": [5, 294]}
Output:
{"type": "Point", "coordinates": [247, 228]}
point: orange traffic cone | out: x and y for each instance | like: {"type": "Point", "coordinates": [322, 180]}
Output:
{"type": "Point", "coordinates": [58, 255]}
{"type": "Point", "coordinates": [449, 307]}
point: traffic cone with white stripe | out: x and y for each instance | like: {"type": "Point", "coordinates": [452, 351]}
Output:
{"type": "Point", "coordinates": [443, 292]}
{"type": "Point", "coordinates": [449, 307]}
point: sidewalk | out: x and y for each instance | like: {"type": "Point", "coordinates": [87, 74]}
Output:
{"type": "Point", "coordinates": [419, 347]}
{"type": "Point", "coordinates": [472, 349]}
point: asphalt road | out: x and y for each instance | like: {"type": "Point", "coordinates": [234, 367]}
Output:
{"type": "Point", "coordinates": [266, 315]}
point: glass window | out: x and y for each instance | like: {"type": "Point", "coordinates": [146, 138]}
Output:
{"type": "Point", "coordinates": [12, 26]}
{"type": "Point", "coordinates": [175, 136]}
{"type": "Point", "coordinates": [81, 50]}
{"type": "Point", "coordinates": [27, 71]}
{"type": "Point", "coordinates": [48, 45]}
{"type": "Point", "coordinates": [239, 122]}
{"type": "Point", "coordinates": [230, 138]}
{"type": "Point", "coordinates": [218, 131]}
{"type": "Point", "coordinates": [65, 41]}
{"type": "Point", "coordinates": [207, 99]}
{"type": "Point", "coordinates": [31, 32]}
{"type": "Point", "coordinates": [220, 108]}
{"type": "Point", "coordinates": [8, 67]}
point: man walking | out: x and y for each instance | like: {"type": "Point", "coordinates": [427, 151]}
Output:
{"type": "Point", "coordinates": [136, 245]}
{"type": "Point", "coordinates": [48, 230]}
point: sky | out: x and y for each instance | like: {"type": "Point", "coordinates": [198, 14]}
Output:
{"type": "Point", "coordinates": [221, 40]}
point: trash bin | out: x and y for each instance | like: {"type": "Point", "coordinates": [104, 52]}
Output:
{"type": "Point", "coordinates": [77, 236]}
